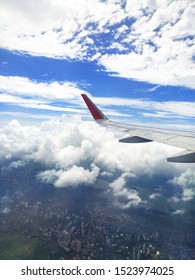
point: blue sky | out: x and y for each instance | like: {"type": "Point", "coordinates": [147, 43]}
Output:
{"type": "Point", "coordinates": [136, 60]}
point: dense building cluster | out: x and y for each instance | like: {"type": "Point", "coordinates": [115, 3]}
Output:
{"type": "Point", "coordinates": [82, 224]}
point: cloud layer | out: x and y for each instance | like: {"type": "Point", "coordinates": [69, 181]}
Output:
{"type": "Point", "coordinates": [150, 40]}
{"type": "Point", "coordinates": [76, 153]}
{"type": "Point", "coordinates": [51, 96]}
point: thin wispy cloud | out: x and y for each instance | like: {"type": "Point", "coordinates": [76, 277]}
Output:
{"type": "Point", "coordinates": [43, 95]}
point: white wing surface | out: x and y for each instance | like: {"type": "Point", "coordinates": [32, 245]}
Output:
{"type": "Point", "coordinates": [141, 134]}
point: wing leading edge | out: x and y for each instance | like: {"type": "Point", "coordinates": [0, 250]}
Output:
{"type": "Point", "coordinates": [141, 134]}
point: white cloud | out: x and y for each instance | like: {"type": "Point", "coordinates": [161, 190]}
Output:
{"type": "Point", "coordinates": [156, 38]}
{"type": "Point", "coordinates": [162, 35]}
{"type": "Point", "coordinates": [49, 176]}
{"type": "Point", "coordinates": [148, 67]}
{"type": "Point", "coordinates": [187, 181]}
{"type": "Point", "coordinates": [72, 177]}
{"type": "Point", "coordinates": [55, 29]}
{"type": "Point", "coordinates": [186, 109]}
{"type": "Point", "coordinates": [23, 86]}
{"type": "Point", "coordinates": [24, 92]}
{"type": "Point", "coordinates": [17, 164]}
{"type": "Point", "coordinates": [74, 152]}
{"type": "Point", "coordinates": [27, 93]}
{"type": "Point", "coordinates": [20, 115]}
{"type": "Point", "coordinates": [75, 141]}
{"type": "Point", "coordinates": [120, 190]}
{"type": "Point", "coordinates": [179, 212]}
{"type": "Point", "coordinates": [15, 140]}
{"type": "Point", "coordinates": [174, 199]}
{"type": "Point", "coordinates": [188, 194]}
{"type": "Point", "coordinates": [154, 195]}
{"type": "Point", "coordinates": [76, 176]}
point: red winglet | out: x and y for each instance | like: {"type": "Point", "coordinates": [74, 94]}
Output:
{"type": "Point", "coordinates": [96, 113]}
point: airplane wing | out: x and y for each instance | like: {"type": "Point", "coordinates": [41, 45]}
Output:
{"type": "Point", "coordinates": [142, 134]}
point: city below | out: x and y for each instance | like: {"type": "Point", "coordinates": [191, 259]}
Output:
{"type": "Point", "coordinates": [39, 221]}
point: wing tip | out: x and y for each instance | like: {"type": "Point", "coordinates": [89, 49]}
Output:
{"type": "Point", "coordinates": [83, 95]}
{"type": "Point", "coordinates": [94, 110]}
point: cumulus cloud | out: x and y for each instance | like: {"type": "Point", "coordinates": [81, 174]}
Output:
{"type": "Point", "coordinates": [187, 181]}
{"type": "Point", "coordinates": [188, 194]}
{"type": "Point", "coordinates": [151, 41]}
{"type": "Point", "coordinates": [179, 212]}
{"type": "Point", "coordinates": [49, 176]}
{"type": "Point", "coordinates": [72, 177]}
{"type": "Point", "coordinates": [17, 164]}
{"type": "Point", "coordinates": [174, 199]}
{"type": "Point", "coordinates": [73, 153]}
{"type": "Point", "coordinates": [155, 195]}
{"type": "Point", "coordinates": [162, 44]}
{"type": "Point", "coordinates": [53, 29]}
{"type": "Point", "coordinates": [76, 176]}
{"type": "Point", "coordinates": [129, 197]}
